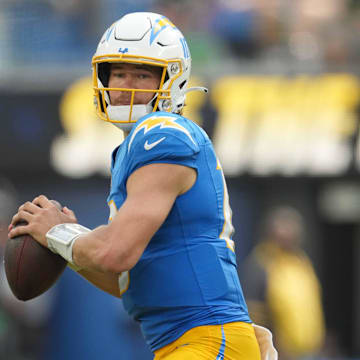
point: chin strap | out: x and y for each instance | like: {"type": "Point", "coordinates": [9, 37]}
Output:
{"type": "Point", "coordinates": [196, 88]}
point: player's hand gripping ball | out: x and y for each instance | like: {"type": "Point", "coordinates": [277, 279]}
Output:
{"type": "Point", "coordinates": [31, 269]}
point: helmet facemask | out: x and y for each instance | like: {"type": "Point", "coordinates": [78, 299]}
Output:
{"type": "Point", "coordinates": [124, 116]}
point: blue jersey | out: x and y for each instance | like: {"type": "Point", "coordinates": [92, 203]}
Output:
{"type": "Point", "coordinates": [187, 275]}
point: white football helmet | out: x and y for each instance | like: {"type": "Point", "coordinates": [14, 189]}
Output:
{"type": "Point", "coordinates": [149, 39]}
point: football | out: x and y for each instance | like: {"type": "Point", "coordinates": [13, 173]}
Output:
{"type": "Point", "coordinates": [31, 268]}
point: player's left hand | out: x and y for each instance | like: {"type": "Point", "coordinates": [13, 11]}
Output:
{"type": "Point", "coordinates": [40, 216]}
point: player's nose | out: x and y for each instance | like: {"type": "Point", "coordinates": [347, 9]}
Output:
{"type": "Point", "coordinates": [128, 81]}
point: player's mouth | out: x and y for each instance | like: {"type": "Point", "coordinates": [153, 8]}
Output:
{"type": "Point", "coordinates": [121, 101]}
{"type": "Point", "coordinates": [125, 102]}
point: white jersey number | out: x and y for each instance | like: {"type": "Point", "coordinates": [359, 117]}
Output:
{"type": "Point", "coordinates": [228, 228]}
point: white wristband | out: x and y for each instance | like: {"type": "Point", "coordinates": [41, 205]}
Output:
{"type": "Point", "coordinates": [61, 239]}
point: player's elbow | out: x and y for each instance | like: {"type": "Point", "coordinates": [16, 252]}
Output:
{"type": "Point", "coordinates": [116, 265]}
{"type": "Point", "coordinates": [116, 260]}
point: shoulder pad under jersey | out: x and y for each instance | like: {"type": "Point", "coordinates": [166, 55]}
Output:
{"type": "Point", "coordinates": [162, 137]}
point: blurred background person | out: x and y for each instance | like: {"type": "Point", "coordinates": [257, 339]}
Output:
{"type": "Point", "coordinates": [282, 289]}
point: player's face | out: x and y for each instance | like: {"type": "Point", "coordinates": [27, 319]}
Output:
{"type": "Point", "coordinates": [132, 76]}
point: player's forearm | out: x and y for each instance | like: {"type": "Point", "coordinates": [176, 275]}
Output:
{"type": "Point", "coordinates": [104, 281]}
{"type": "Point", "coordinates": [105, 249]}
{"type": "Point", "coordinates": [90, 251]}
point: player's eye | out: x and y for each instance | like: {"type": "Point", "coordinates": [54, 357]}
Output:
{"type": "Point", "coordinates": [143, 75]}
{"type": "Point", "coordinates": [118, 74]}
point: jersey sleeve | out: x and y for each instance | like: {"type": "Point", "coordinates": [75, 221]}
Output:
{"type": "Point", "coordinates": [163, 146]}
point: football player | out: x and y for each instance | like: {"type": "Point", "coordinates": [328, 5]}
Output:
{"type": "Point", "coordinates": [167, 249]}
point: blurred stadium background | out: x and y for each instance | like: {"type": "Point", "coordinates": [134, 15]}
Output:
{"type": "Point", "coordinates": [283, 112]}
